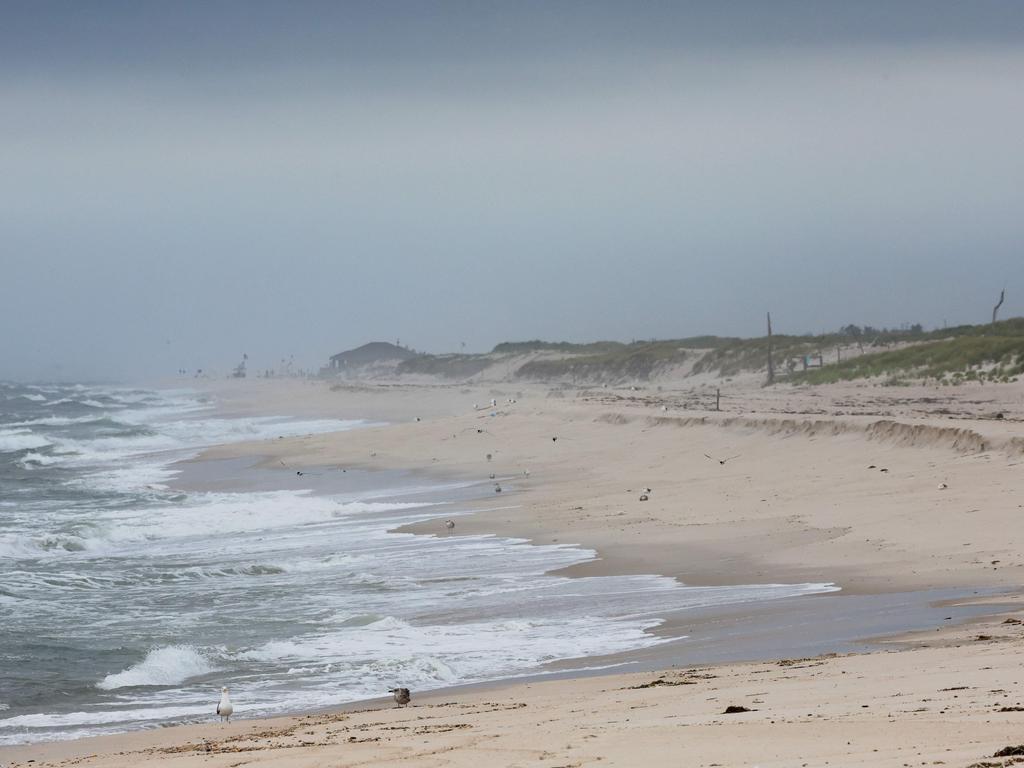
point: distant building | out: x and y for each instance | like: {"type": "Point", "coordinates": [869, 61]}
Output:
{"type": "Point", "coordinates": [374, 353]}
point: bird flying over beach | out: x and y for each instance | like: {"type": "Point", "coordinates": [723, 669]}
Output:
{"type": "Point", "coordinates": [721, 461]}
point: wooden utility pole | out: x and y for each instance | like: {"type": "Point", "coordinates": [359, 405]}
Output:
{"type": "Point", "coordinates": [771, 367]}
{"type": "Point", "coordinates": [995, 309]}
{"type": "Point", "coordinates": [718, 399]}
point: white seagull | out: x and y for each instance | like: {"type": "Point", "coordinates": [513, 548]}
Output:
{"type": "Point", "coordinates": [225, 708]}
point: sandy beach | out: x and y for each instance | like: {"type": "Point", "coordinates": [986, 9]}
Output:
{"type": "Point", "coordinates": [879, 490]}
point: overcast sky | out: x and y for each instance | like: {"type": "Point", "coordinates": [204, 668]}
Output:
{"type": "Point", "coordinates": [184, 182]}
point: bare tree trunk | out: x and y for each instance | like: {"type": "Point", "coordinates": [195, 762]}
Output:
{"type": "Point", "coordinates": [995, 309]}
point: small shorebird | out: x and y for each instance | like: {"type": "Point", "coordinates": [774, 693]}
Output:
{"type": "Point", "coordinates": [721, 461]}
{"type": "Point", "coordinates": [450, 525]}
{"type": "Point", "coordinates": [497, 488]}
{"type": "Point", "coordinates": [402, 695]}
{"type": "Point", "coordinates": [225, 708]}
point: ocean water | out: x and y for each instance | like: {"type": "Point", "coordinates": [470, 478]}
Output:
{"type": "Point", "coordinates": [127, 603]}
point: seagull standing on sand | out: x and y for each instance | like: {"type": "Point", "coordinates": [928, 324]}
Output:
{"type": "Point", "coordinates": [450, 525]}
{"type": "Point", "coordinates": [225, 708]}
{"type": "Point", "coordinates": [402, 695]}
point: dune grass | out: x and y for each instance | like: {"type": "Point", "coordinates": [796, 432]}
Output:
{"type": "Point", "coordinates": [968, 352]}
{"type": "Point", "coordinates": [967, 358]}
{"type": "Point", "coordinates": [637, 361]}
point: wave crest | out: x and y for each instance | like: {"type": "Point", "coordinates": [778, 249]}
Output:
{"type": "Point", "coordinates": [169, 665]}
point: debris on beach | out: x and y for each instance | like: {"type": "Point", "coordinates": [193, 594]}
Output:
{"type": "Point", "coordinates": [1010, 751]}
{"type": "Point", "coordinates": [643, 497]}
{"type": "Point", "coordinates": [659, 682]}
{"type": "Point", "coordinates": [734, 709]}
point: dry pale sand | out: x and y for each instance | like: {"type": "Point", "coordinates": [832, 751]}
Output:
{"type": "Point", "coordinates": [805, 499]}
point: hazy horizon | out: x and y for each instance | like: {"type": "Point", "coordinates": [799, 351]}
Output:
{"type": "Point", "coordinates": [181, 184]}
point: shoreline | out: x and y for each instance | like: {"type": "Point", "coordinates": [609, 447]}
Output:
{"type": "Point", "coordinates": [869, 627]}
{"type": "Point", "coordinates": [718, 549]}
{"type": "Point", "coordinates": [801, 542]}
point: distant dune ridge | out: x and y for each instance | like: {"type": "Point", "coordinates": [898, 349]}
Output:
{"type": "Point", "coordinates": [989, 352]}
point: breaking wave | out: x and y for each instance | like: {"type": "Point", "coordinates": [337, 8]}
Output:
{"type": "Point", "coordinates": [170, 665]}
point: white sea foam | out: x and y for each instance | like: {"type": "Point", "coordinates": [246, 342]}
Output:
{"type": "Point", "coordinates": [37, 459]}
{"type": "Point", "coordinates": [53, 421]}
{"type": "Point", "coordinates": [154, 436]}
{"type": "Point", "coordinates": [169, 665]}
{"type": "Point", "coordinates": [437, 654]}
{"type": "Point", "coordinates": [72, 719]}
{"type": "Point", "coordinates": [20, 440]}
{"type": "Point", "coordinates": [215, 514]}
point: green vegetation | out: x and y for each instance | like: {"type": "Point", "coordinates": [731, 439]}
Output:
{"type": "Point", "coordinates": [522, 347]}
{"type": "Point", "coordinates": [967, 358]}
{"type": "Point", "coordinates": [638, 361]}
{"type": "Point", "coordinates": [951, 355]}
{"type": "Point", "coordinates": [448, 366]}
{"type": "Point", "coordinates": [734, 356]}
